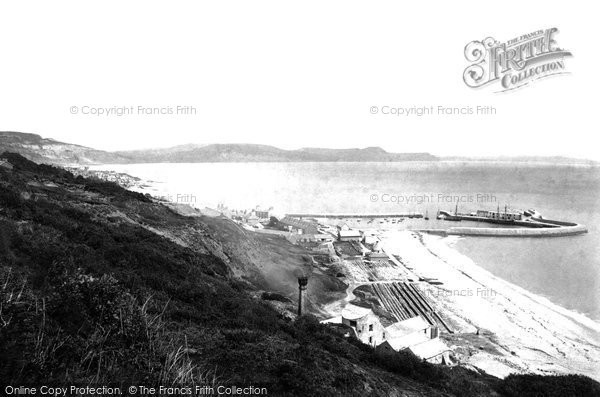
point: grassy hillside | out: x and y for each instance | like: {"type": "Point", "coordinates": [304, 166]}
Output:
{"type": "Point", "coordinates": [94, 290]}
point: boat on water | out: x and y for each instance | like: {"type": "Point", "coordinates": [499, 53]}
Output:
{"type": "Point", "coordinates": [528, 218]}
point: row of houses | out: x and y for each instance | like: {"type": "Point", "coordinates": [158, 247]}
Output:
{"type": "Point", "coordinates": [345, 233]}
{"type": "Point", "coordinates": [370, 243]}
{"type": "Point", "coordinates": [299, 226]}
{"type": "Point", "coordinates": [347, 243]}
{"type": "Point", "coordinates": [256, 217]}
{"type": "Point", "coordinates": [414, 334]}
{"type": "Point", "coordinates": [355, 243]}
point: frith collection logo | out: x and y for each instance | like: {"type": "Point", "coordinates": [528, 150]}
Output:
{"type": "Point", "coordinates": [514, 63]}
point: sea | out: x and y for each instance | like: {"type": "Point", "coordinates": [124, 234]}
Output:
{"type": "Point", "coordinates": [566, 270]}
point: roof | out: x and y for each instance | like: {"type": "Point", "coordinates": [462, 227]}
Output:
{"type": "Point", "coordinates": [349, 233]}
{"type": "Point", "coordinates": [353, 312]}
{"type": "Point", "coordinates": [346, 248]}
{"type": "Point", "coordinates": [300, 224]}
{"type": "Point", "coordinates": [405, 341]}
{"type": "Point", "coordinates": [333, 320]}
{"type": "Point", "coordinates": [431, 348]}
{"type": "Point", "coordinates": [343, 226]}
{"type": "Point", "coordinates": [378, 255]}
{"type": "Point", "coordinates": [406, 327]}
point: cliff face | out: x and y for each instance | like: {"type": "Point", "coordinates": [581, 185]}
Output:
{"type": "Point", "coordinates": [42, 150]}
{"type": "Point", "coordinates": [49, 151]}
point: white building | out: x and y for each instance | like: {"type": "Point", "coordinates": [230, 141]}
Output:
{"type": "Point", "coordinates": [408, 332]}
{"type": "Point", "coordinates": [366, 324]}
{"type": "Point", "coordinates": [414, 334]}
{"type": "Point", "coordinates": [343, 226]}
{"type": "Point", "coordinates": [418, 336]}
{"type": "Point", "coordinates": [433, 351]}
{"type": "Point", "coordinates": [349, 235]}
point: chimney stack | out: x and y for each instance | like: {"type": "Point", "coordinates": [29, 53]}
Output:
{"type": "Point", "coordinates": [302, 283]}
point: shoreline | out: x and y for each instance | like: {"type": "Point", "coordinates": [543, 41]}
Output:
{"type": "Point", "coordinates": [526, 332]}
{"type": "Point", "coordinates": [517, 338]}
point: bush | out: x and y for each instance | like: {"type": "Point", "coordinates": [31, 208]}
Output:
{"type": "Point", "coordinates": [538, 385]}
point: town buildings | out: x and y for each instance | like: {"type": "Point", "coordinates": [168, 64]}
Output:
{"type": "Point", "coordinates": [299, 226]}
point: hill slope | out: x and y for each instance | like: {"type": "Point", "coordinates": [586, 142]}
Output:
{"type": "Point", "coordinates": [49, 151]}
{"type": "Point", "coordinates": [95, 289]}
{"type": "Point", "coordinates": [42, 150]}
{"type": "Point", "coordinates": [264, 153]}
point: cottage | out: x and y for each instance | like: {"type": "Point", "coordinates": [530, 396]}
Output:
{"type": "Point", "coordinates": [322, 239]}
{"type": "Point", "coordinates": [433, 351]}
{"type": "Point", "coordinates": [349, 235]}
{"type": "Point", "coordinates": [299, 226]}
{"type": "Point", "coordinates": [366, 324]}
{"type": "Point", "coordinates": [414, 334]}
{"type": "Point", "coordinates": [418, 336]}
{"type": "Point", "coordinates": [262, 214]}
{"type": "Point", "coordinates": [405, 333]}
{"type": "Point", "coordinates": [413, 324]}
{"type": "Point", "coordinates": [343, 226]}
{"type": "Point", "coordinates": [253, 220]}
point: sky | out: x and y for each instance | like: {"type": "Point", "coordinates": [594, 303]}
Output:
{"type": "Point", "coordinates": [292, 74]}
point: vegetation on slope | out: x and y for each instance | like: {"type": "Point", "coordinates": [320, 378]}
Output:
{"type": "Point", "coordinates": [89, 296]}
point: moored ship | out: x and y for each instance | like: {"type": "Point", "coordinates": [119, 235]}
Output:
{"type": "Point", "coordinates": [501, 217]}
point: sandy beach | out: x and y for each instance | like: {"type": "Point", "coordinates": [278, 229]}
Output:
{"type": "Point", "coordinates": [499, 327]}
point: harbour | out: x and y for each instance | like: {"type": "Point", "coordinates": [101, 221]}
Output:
{"type": "Point", "coordinates": [528, 223]}
{"type": "Point", "coordinates": [532, 255]}
{"type": "Point", "coordinates": [357, 215]}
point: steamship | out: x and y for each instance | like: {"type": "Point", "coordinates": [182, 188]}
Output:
{"type": "Point", "coordinates": [498, 216]}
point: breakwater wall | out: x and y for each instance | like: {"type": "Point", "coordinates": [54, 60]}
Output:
{"type": "Point", "coordinates": [572, 230]}
{"type": "Point", "coordinates": [334, 215]}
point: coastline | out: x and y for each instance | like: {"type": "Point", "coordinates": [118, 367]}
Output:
{"type": "Point", "coordinates": [520, 332]}
{"type": "Point", "coordinates": [507, 319]}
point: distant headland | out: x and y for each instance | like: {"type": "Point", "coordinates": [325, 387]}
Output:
{"type": "Point", "coordinates": [47, 150]}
